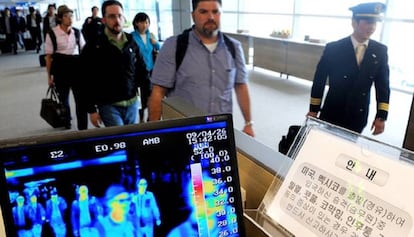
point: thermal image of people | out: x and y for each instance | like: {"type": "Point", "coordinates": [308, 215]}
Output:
{"type": "Point", "coordinates": [85, 213]}
{"type": "Point", "coordinates": [190, 226]}
{"type": "Point", "coordinates": [56, 208]}
{"type": "Point", "coordinates": [144, 210]}
{"type": "Point", "coordinates": [21, 217]}
{"type": "Point", "coordinates": [116, 220]}
{"type": "Point", "coordinates": [37, 215]}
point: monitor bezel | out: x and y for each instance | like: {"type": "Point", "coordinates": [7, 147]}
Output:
{"type": "Point", "coordinates": [62, 137]}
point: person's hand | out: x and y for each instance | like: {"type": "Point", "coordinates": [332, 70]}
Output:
{"type": "Point", "coordinates": [158, 222]}
{"type": "Point", "coordinates": [248, 129]}
{"type": "Point", "coordinates": [96, 119]}
{"type": "Point", "coordinates": [153, 40]}
{"type": "Point", "coordinates": [50, 81]}
{"type": "Point", "coordinates": [378, 126]}
{"type": "Point", "coordinates": [312, 114]}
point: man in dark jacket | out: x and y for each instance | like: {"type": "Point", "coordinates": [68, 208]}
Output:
{"type": "Point", "coordinates": [85, 213]}
{"type": "Point", "coordinates": [33, 21]}
{"type": "Point", "coordinates": [21, 27]}
{"type": "Point", "coordinates": [9, 25]}
{"type": "Point", "coordinates": [50, 20]}
{"type": "Point", "coordinates": [351, 76]}
{"type": "Point", "coordinates": [92, 27]}
{"type": "Point", "coordinates": [115, 68]}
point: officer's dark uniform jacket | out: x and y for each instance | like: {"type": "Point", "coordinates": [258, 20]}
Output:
{"type": "Point", "coordinates": [347, 101]}
{"type": "Point", "coordinates": [112, 75]}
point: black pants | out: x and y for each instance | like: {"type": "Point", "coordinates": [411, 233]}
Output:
{"type": "Point", "coordinates": [64, 70]}
{"type": "Point", "coordinates": [10, 43]}
{"type": "Point", "coordinates": [36, 35]}
{"type": "Point", "coordinates": [63, 89]}
{"type": "Point", "coordinates": [145, 89]}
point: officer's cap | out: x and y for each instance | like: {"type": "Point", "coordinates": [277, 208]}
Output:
{"type": "Point", "coordinates": [369, 11]}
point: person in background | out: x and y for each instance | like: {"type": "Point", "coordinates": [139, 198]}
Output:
{"type": "Point", "coordinates": [63, 64]}
{"type": "Point", "coordinates": [50, 19]}
{"type": "Point", "coordinates": [21, 27]}
{"type": "Point", "coordinates": [34, 21]}
{"type": "Point", "coordinates": [147, 43]}
{"type": "Point", "coordinates": [114, 68]}
{"type": "Point", "coordinates": [37, 214]}
{"type": "Point", "coordinates": [352, 74]}
{"type": "Point", "coordinates": [92, 27]}
{"type": "Point", "coordinates": [85, 213]}
{"type": "Point", "coordinates": [56, 208]}
{"type": "Point", "coordinates": [9, 25]}
{"type": "Point", "coordinates": [208, 72]}
{"type": "Point", "coordinates": [144, 209]}
{"type": "Point", "coordinates": [1, 19]}
{"type": "Point", "coordinates": [189, 227]}
{"type": "Point", "coordinates": [21, 218]}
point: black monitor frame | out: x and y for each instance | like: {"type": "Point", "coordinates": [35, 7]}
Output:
{"type": "Point", "coordinates": [167, 153]}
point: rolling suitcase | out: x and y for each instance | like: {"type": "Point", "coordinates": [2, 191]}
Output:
{"type": "Point", "coordinates": [5, 47]}
{"type": "Point", "coordinates": [29, 44]}
{"type": "Point", "coordinates": [42, 60]}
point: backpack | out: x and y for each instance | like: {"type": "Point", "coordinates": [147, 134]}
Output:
{"type": "Point", "coordinates": [182, 44]}
{"type": "Point", "coordinates": [53, 38]}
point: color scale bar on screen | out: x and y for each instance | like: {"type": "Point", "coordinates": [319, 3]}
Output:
{"type": "Point", "coordinates": [200, 202]}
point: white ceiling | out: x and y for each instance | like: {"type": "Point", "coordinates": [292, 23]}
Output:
{"type": "Point", "coordinates": [12, 2]}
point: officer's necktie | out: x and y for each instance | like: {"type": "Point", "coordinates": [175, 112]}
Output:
{"type": "Point", "coordinates": [359, 53]}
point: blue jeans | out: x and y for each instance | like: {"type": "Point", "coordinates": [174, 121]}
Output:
{"type": "Point", "coordinates": [118, 115]}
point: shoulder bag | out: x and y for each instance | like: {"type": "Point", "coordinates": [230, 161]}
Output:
{"type": "Point", "coordinates": [52, 110]}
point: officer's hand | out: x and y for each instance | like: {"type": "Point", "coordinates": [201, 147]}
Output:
{"type": "Point", "coordinates": [378, 126]}
{"type": "Point", "coordinates": [312, 114]}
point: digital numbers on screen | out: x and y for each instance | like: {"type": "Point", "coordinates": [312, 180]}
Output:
{"type": "Point", "coordinates": [207, 136]}
{"type": "Point", "coordinates": [56, 154]}
{"type": "Point", "coordinates": [109, 147]}
{"type": "Point", "coordinates": [222, 191]}
{"type": "Point", "coordinates": [211, 153]}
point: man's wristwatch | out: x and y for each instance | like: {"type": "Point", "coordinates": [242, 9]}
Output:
{"type": "Point", "coordinates": [249, 123]}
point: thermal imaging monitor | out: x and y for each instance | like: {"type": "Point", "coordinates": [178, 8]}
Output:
{"type": "Point", "coordinates": [168, 178]}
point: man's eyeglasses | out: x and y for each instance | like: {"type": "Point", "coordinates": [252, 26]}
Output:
{"type": "Point", "coordinates": [123, 200]}
{"type": "Point", "coordinates": [115, 16]}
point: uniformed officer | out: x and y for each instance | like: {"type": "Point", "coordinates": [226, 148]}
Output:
{"type": "Point", "coordinates": [353, 64]}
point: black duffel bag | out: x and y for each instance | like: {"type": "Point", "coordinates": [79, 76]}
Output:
{"type": "Point", "coordinates": [52, 110]}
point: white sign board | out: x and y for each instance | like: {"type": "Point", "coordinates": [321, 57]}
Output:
{"type": "Point", "coordinates": [335, 188]}
{"type": "Point", "coordinates": [2, 227]}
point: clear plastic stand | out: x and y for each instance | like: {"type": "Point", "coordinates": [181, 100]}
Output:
{"type": "Point", "coordinates": [340, 184]}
